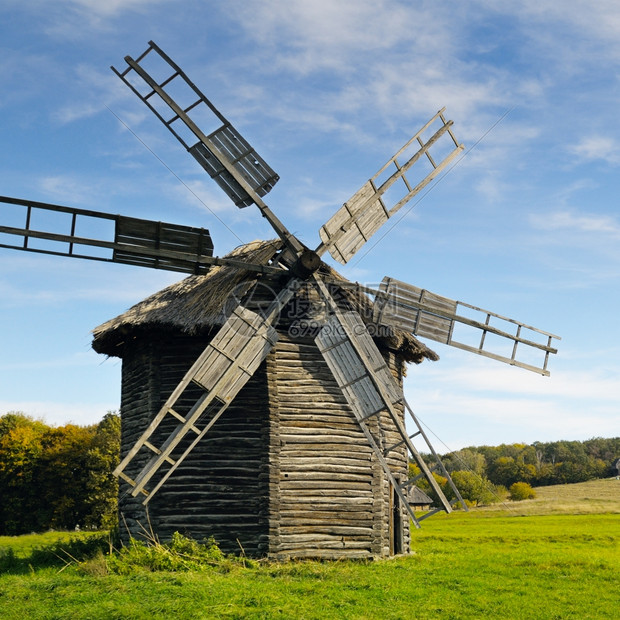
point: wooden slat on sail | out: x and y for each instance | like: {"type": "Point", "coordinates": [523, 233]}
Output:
{"type": "Point", "coordinates": [223, 368]}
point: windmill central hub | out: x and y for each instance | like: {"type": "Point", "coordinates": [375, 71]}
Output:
{"type": "Point", "coordinates": [306, 264]}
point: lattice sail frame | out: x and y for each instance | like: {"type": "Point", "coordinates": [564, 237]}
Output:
{"type": "Point", "coordinates": [371, 390]}
{"type": "Point", "coordinates": [369, 208]}
{"type": "Point", "coordinates": [224, 367]}
{"type": "Point", "coordinates": [433, 316]}
{"type": "Point", "coordinates": [67, 231]}
{"type": "Point", "coordinates": [211, 151]}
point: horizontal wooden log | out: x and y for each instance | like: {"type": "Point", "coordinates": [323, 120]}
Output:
{"type": "Point", "coordinates": [299, 449]}
{"type": "Point", "coordinates": [330, 462]}
{"type": "Point", "coordinates": [308, 517]}
{"type": "Point", "coordinates": [352, 474]}
{"type": "Point", "coordinates": [286, 484]}
{"type": "Point", "coordinates": [350, 554]}
{"type": "Point", "coordinates": [321, 542]}
{"type": "Point", "coordinates": [355, 537]}
{"type": "Point", "coordinates": [335, 500]}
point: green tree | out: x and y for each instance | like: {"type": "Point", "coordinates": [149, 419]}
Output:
{"type": "Point", "coordinates": [474, 489]}
{"type": "Point", "coordinates": [557, 462]}
{"type": "Point", "coordinates": [467, 459]}
{"type": "Point", "coordinates": [57, 477]}
{"type": "Point", "coordinates": [520, 491]}
{"type": "Point", "coordinates": [62, 474]}
{"type": "Point", "coordinates": [506, 470]}
{"type": "Point", "coordinates": [102, 485]}
{"type": "Point", "coordinates": [20, 446]}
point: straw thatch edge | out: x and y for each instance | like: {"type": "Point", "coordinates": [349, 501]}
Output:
{"type": "Point", "coordinates": [198, 304]}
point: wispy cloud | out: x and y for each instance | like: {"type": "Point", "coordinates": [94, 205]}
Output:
{"type": "Point", "coordinates": [326, 35]}
{"type": "Point", "coordinates": [68, 188]}
{"type": "Point", "coordinates": [599, 147]}
{"type": "Point", "coordinates": [112, 8]}
{"type": "Point", "coordinates": [98, 90]}
{"type": "Point", "coordinates": [400, 70]}
{"type": "Point", "coordinates": [77, 281]}
{"type": "Point", "coordinates": [487, 397]}
{"type": "Point", "coordinates": [601, 18]}
{"type": "Point", "coordinates": [604, 226]}
{"type": "Point", "coordinates": [78, 19]}
{"type": "Point", "coordinates": [581, 247]}
{"type": "Point", "coordinates": [22, 75]}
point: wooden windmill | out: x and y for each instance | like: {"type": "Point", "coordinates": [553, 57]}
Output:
{"type": "Point", "coordinates": [196, 412]}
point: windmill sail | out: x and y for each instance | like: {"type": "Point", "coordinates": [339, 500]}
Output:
{"type": "Point", "coordinates": [371, 206]}
{"type": "Point", "coordinates": [80, 233]}
{"type": "Point", "coordinates": [370, 389]}
{"type": "Point", "coordinates": [226, 156]}
{"type": "Point", "coordinates": [445, 320]}
{"type": "Point", "coordinates": [221, 370]}
{"type": "Point", "coordinates": [219, 373]}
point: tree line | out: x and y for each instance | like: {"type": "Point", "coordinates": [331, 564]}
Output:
{"type": "Point", "coordinates": [488, 474]}
{"type": "Point", "coordinates": [539, 464]}
{"type": "Point", "coordinates": [57, 477]}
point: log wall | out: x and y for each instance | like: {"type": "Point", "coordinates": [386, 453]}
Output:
{"type": "Point", "coordinates": [221, 487]}
{"type": "Point", "coordinates": [285, 473]}
{"type": "Point", "coordinates": [332, 499]}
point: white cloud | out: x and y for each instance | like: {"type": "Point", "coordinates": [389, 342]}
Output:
{"type": "Point", "coordinates": [51, 281]}
{"type": "Point", "coordinates": [328, 35]}
{"type": "Point", "coordinates": [111, 8]}
{"type": "Point", "coordinates": [475, 399]}
{"type": "Point", "coordinates": [601, 18]}
{"type": "Point", "coordinates": [581, 248]}
{"type": "Point", "coordinates": [204, 194]}
{"type": "Point", "coordinates": [22, 75]}
{"type": "Point", "coordinates": [597, 147]}
{"type": "Point", "coordinates": [571, 221]}
{"type": "Point", "coordinates": [97, 90]}
{"type": "Point", "coordinates": [67, 188]}
{"type": "Point", "coordinates": [78, 19]}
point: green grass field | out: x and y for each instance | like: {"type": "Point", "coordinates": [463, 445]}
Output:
{"type": "Point", "coordinates": [556, 556]}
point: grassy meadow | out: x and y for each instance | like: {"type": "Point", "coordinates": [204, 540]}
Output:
{"type": "Point", "coordinates": [556, 556]}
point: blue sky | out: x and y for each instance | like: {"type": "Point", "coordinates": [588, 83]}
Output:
{"type": "Point", "coordinates": [526, 225]}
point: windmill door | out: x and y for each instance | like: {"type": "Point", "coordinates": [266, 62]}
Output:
{"type": "Point", "coordinates": [395, 523]}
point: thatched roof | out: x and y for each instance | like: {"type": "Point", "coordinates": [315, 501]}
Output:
{"type": "Point", "coordinates": [197, 304]}
{"type": "Point", "coordinates": [417, 497]}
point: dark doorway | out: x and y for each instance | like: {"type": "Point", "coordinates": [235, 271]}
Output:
{"type": "Point", "coordinates": [396, 525]}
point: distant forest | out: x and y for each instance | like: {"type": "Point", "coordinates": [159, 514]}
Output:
{"type": "Point", "coordinates": [539, 464]}
{"type": "Point", "coordinates": [490, 474]}
{"type": "Point", "coordinates": [61, 477]}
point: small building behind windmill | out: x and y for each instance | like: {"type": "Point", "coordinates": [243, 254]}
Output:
{"type": "Point", "coordinates": [418, 499]}
{"type": "Point", "coordinates": [286, 472]}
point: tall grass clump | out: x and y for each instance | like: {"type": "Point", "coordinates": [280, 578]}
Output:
{"type": "Point", "coordinates": [181, 554]}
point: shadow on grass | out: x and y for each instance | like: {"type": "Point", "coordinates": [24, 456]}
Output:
{"type": "Point", "coordinates": [59, 554]}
